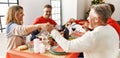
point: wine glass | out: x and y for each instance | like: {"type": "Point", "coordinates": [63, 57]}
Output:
{"type": "Point", "coordinates": [73, 29]}
{"type": "Point", "coordinates": [45, 39]}
{"type": "Point", "coordinates": [58, 27]}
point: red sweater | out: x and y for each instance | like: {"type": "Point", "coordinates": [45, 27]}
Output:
{"type": "Point", "coordinates": [41, 19]}
{"type": "Point", "coordinates": [114, 24]}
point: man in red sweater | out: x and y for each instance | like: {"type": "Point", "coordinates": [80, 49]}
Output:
{"type": "Point", "coordinates": [43, 19]}
{"type": "Point", "coordinates": [46, 16]}
{"type": "Point", "coordinates": [112, 22]}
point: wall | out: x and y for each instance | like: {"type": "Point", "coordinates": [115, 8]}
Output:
{"type": "Point", "coordinates": [81, 9]}
{"type": "Point", "coordinates": [73, 9]}
{"type": "Point", "coordinates": [32, 9]}
{"type": "Point", "coordinates": [69, 10]}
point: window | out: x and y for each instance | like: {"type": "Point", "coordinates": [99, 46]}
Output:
{"type": "Point", "coordinates": [4, 5]}
{"type": "Point", "coordinates": [56, 11]}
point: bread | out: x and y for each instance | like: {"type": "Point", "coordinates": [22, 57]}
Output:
{"type": "Point", "coordinates": [22, 47]}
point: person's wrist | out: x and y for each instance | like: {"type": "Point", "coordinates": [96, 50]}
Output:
{"type": "Point", "coordinates": [52, 31]}
{"type": "Point", "coordinates": [38, 25]}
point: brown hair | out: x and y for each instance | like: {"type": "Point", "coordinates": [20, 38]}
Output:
{"type": "Point", "coordinates": [48, 6]}
{"type": "Point", "coordinates": [112, 7]}
{"type": "Point", "coordinates": [12, 14]}
{"type": "Point", "coordinates": [103, 11]}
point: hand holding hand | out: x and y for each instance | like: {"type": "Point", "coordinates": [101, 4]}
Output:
{"type": "Point", "coordinates": [70, 22]}
{"type": "Point", "coordinates": [49, 28]}
{"type": "Point", "coordinates": [46, 26]}
{"type": "Point", "coordinates": [86, 26]}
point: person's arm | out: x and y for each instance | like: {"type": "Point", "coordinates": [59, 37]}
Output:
{"type": "Point", "coordinates": [78, 45]}
{"type": "Point", "coordinates": [31, 28]}
{"type": "Point", "coordinates": [71, 20]}
{"type": "Point", "coordinates": [25, 30]}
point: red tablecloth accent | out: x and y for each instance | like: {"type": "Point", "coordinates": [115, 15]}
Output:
{"type": "Point", "coordinates": [19, 54]}
{"type": "Point", "coordinates": [72, 55]}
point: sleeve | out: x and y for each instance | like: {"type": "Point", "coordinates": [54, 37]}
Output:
{"type": "Point", "coordinates": [80, 44]}
{"type": "Point", "coordinates": [19, 30]}
{"type": "Point", "coordinates": [77, 21]}
{"type": "Point", "coordinates": [33, 34]}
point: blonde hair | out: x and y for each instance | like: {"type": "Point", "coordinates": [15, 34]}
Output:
{"type": "Point", "coordinates": [12, 15]}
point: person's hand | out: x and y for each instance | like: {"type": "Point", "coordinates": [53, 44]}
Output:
{"type": "Point", "coordinates": [49, 28]}
{"type": "Point", "coordinates": [42, 26]}
{"type": "Point", "coordinates": [70, 22]}
{"type": "Point", "coordinates": [86, 26]}
{"type": "Point", "coordinates": [39, 29]}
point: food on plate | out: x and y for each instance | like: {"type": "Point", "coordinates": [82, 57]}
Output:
{"type": "Point", "coordinates": [22, 47]}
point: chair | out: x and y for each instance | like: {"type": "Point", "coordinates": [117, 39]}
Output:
{"type": "Point", "coordinates": [118, 22]}
{"type": "Point", "coordinates": [1, 28]}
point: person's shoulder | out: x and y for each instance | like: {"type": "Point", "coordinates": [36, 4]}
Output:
{"type": "Point", "coordinates": [38, 17]}
{"type": "Point", "coordinates": [51, 19]}
{"type": "Point", "coordinates": [111, 20]}
{"type": "Point", "coordinates": [38, 20]}
{"type": "Point", "coordinates": [12, 24]}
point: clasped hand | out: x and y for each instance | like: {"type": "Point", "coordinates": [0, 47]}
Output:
{"type": "Point", "coordinates": [49, 27]}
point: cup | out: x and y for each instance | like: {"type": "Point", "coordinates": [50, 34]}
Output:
{"type": "Point", "coordinates": [41, 48]}
{"type": "Point", "coordinates": [36, 44]}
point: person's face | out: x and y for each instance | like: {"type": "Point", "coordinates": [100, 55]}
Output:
{"type": "Point", "coordinates": [47, 12]}
{"type": "Point", "coordinates": [92, 18]}
{"type": "Point", "coordinates": [20, 15]}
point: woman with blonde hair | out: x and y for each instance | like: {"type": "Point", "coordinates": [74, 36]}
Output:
{"type": "Point", "coordinates": [16, 31]}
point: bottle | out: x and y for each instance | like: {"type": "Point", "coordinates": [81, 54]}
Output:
{"type": "Point", "coordinates": [66, 33]}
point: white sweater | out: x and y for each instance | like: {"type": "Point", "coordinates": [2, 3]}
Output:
{"type": "Point", "coordinates": [102, 42]}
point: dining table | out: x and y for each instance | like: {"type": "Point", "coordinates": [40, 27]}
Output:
{"type": "Point", "coordinates": [29, 53]}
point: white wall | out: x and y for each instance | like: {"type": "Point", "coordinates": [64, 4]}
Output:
{"type": "Point", "coordinates": [73, 9]}
{"type": "Point", "coordinates": [32, 9]}
{"type": "Point", "coordinates": [69, 10]}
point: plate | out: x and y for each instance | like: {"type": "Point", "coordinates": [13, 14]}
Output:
{"type": "Point", "coordinates": [72, 37]}
{"type": "Point", "coordinates": [57, 50]}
